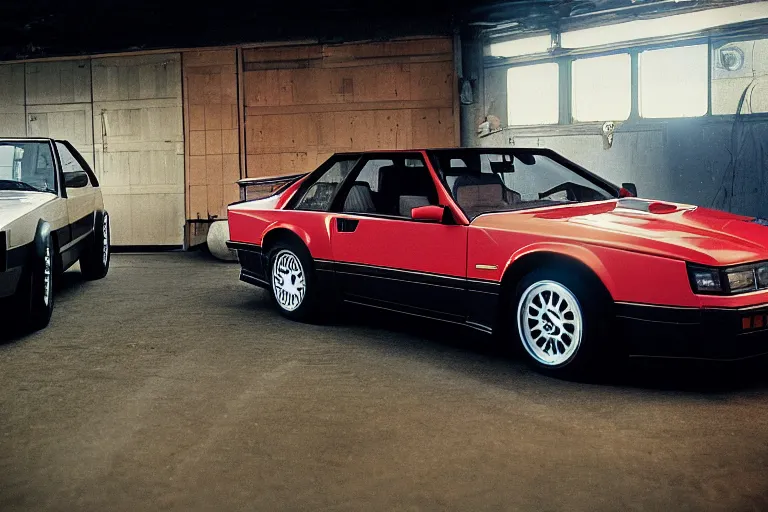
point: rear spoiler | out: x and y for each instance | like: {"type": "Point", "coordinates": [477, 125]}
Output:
{"type": "Point", "coordinates": [265, 187]}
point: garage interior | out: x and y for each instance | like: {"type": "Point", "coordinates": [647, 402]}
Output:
{"type": "Point", "coordinates": [172, 385]}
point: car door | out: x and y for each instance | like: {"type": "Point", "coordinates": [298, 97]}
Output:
{"type": "Point", "coordinates": [80, 194]}
{"type": "Point", "coordinates": [385, 258]}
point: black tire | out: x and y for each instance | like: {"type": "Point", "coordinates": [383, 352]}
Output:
{"type": "Point", "coordinates": [577, 295]}
{"type": "Point", "coordinates": [34, 295]}
{"type": "Point", "coordinates": [290, 263]}
{"type": "Point", "coordinates": [94, 262]}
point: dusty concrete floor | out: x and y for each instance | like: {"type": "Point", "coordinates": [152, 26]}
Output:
{"type": "Point", "coordinates": [171, 385]}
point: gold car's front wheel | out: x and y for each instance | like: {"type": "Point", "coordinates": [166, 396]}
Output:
{"type": "Point", "coordinates": [34, 295]}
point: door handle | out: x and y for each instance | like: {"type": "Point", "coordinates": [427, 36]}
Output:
{"type": "Point", "coordinates": [346, 225]}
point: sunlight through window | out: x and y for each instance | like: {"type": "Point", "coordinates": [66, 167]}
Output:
{"type": "Point", "coordinates": [673, 82]}
{"type": "Point", "coordinates": [602, 88]}
{"type": "Point", "coordinates": [532, 94]}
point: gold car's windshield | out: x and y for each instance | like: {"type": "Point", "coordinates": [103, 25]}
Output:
{"type": "Point", "coordinates": [27, 165]}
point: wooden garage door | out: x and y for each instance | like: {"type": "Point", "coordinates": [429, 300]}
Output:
{"type": "Point", "coordinates": [59, 103]}
{"type": "Point", "coordinates": [12, 113]}
{"type": "Point", "coordinates": [304, 103]}
{"type": "Point", "coordinates": [139, 147]}
{"type": "Point", "coordinates": [211, 132]}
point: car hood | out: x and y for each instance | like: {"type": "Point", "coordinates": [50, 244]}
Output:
{"type": "Point", "coordinates": [690, 233]}
{"type": "Point", "coordinates": [16, 203]}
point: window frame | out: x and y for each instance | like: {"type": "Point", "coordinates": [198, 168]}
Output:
{"type": "Point", "coordinates": [565, 60]}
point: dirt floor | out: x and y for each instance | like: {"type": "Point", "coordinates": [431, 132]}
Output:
{"type": "Point", "coordinates": [170, 385]}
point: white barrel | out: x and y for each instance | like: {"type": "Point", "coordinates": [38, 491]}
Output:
{"type": "Point", "coordinates": [218, 234]}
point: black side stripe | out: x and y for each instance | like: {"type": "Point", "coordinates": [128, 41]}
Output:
{"type": "Point", "coordinates": [417, 276]}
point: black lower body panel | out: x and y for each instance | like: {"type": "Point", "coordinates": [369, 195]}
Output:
{"type": "Point", "coordinates": [253, 266]}
{"type": "Point", "coordinates": [692, 333]}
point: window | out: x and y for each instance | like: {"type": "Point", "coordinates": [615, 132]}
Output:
{"type": "Point", "coordinates": [673, 82]}
{"type": "Point", "coordinates": [391, 187]}
{"type": "Point", "coordinates": [740, 68]}
{"type": "Point", "coordinates": [319, 196]}
{"type": "Point", "coordinates": [664, 26]}
{"type": "Point", "coordinates": [532, 94]}
{"type": "Point", "coordinates": [27, 166]}
{"type": "Point", "coordinates": [602, 88]}
{"type": "Point", "coordinates": [522, 46]}
{"type": "Point", "coordinates": [68, 161]}
{"type": "Point", "coordinates": [495, 181]}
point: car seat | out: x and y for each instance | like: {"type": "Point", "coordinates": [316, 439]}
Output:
{"type": "Point", "coordinates": [397, 181]}
{"type": "Point", "coordinates": [481, 192]}
{"type": "Point", "coordinates": [360, 199]}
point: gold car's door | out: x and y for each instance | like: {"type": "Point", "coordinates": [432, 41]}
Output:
{"type": "Point", "coordinates": [81, 201]}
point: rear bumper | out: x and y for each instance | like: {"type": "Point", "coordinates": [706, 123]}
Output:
{"type": "Point", "coordinates": [692, 333]}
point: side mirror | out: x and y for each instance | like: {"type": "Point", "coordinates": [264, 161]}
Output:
{"type": "Point", "coordinates": [76, 179]}
{"type": "Point", "coordinates": [628, 190]}
{"type": "Point", "coordinates": [429, 213]}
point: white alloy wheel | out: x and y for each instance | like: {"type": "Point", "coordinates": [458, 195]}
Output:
{"type": "Point", "coordinates": [47, 276]}
{"type": "Point", "coordinates": [105, 233]}
{"type": "Point", "coordinates": [288, 280]}
{"type": "Point", "coordinates": [549, 320]}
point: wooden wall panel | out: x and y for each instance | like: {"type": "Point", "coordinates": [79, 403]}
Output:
{"type": "Point", "coordinates": [212, 134]}
{"type": "Point", "coordinates": [304, 103]}
{"type": "Point", "coordinates": [13, 121]}
{"type": "Point", "coordinates": [139, 146]}
{"type": "Point", "coordinates": [58, 98]}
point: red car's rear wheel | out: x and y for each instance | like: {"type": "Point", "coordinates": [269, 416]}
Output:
{"type": "Point", "coordinates": [292, 280]}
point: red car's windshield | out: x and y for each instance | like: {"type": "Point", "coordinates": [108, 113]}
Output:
{"type": "Point", "coordinates": [486, 181]}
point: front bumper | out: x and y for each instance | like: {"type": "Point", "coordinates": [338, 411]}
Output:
{"type": "Point", "coordinates": [9, 280]}
{"type": "Point", "coordinates": [692, 333]}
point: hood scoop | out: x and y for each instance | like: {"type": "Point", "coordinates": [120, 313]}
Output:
{"type": "Point", "coordinates": [641, 205]}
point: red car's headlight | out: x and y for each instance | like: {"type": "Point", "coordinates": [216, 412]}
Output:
{"type": "Point", "coordinates": [728, 281]}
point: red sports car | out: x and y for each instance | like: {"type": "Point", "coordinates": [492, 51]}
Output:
{"type": "Point", "coordinates": [520, 242]}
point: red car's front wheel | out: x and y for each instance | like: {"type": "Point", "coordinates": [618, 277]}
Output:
{"type": "Point", "coordinates": [549, 320]}
{"type": "Point", "coordinates": [558, 316]}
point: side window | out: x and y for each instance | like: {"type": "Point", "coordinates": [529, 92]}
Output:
{"type": "Point", "coordinates": [391, 187]}
{"type": "Point", "coordinates": [69, 163]}
{"type": "Point", "coordinates": [319, 196]}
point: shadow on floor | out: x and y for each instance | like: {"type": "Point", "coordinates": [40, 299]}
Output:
{"type": "Point", "coordinates": [67, 283]}
{"type": "Point", "coordinates": [658, 374]}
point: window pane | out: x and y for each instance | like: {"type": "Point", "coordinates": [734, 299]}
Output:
{"type": "Point", "coordinates": [740, 68]}
{"type": "Point", "coordinates": [68, 161]}
{"type": "Point", "coordinates": [27, 166]}
{"type": "Point", "coordinates": [524, 46]}
{"type": "Point", "coordinates": [532, 94]}
{"type": "Point", "coordinates": [370, 173]}
{"type": "Point", "coordinates": [319, 196]}
{"type": "Point", "coordinates": [673, 82]}
{"type": "Point", "coordinates": [602, 88]}
{"type": "Point", "coordinates": [391, 187]}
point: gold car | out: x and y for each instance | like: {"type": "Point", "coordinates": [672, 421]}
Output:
{"type": "Point", "coordinates": [51, 215]}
